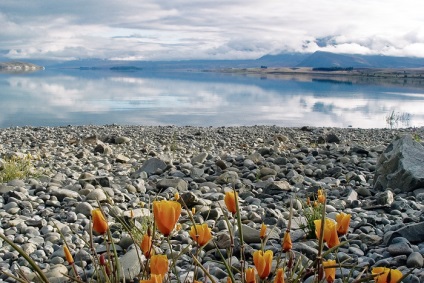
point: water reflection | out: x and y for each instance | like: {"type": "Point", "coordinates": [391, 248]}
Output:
{"type": "Point", "coordinates": [96, 97]}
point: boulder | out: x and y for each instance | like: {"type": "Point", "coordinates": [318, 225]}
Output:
{"type": "Point", "coordinates": [200, 158]}
{"type": "Point", "coordinates": [151, 165]}
{"type": "Point", "coordinates": [414, 233]}
{"type": "Point", "coordinates": [277, 187]}
{"type": "Point", "coordinates": [176, 183]}
{"type": "Point", "coordinates": [400, 166]}
{"type": "Point", "coordinates": [131, 263]}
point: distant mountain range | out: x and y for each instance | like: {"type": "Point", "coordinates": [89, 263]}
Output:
{"type": "Point", "coordinates": [327, 59]}
{"type": "Point", "coordinates": [318, 59]}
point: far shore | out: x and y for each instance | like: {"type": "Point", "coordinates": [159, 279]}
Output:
{"type": "Point", "coordinates": [409, 77]}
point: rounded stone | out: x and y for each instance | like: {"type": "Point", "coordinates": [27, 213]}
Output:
{"type": "Point", "coordinates": [84, 208]}
{"type": "Point", "coordinates": [97, 194]}
{"type": "Point", "coordinates": [400, 248]}
{"type": "Point", "coordinates": [415, 260]}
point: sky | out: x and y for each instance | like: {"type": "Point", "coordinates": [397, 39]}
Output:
{"type": "Point", "coordinates": [200, 29]}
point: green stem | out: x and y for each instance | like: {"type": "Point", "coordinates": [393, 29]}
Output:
{"type": "Point", "coordinates": [242, 263]}
{"type": "Point", "coordinates": [174, 265]}
{"type": "Point", "coordinates": [320, 242]}
{"type": "Point", "coordinates": [26, 256]}
{"type": "Point", "coordinates": [116, 265]}
{"type": "Point", "coordinates": [197, 250]}
{"type": "Point", "coordinates": [227, 266]}
{"type": "Point", "coordinates": [14, 277]}
{"type": "Point", "coordinates": [205, 271]}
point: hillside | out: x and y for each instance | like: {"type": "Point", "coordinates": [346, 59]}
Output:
{"type": "Point", "coordinates": [318, 59]}
{"type": "Point", "coordinates": [282, 59]}
{"type": "Point", "coordinates": [327, 59]}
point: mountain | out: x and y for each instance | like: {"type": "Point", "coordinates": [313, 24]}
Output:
{"type": "Point", "coordinates": [318, 59]}
{"type": "Point", "coordinates": [283, 59]}
{"type": "Point", "coordinates": [322, 59]}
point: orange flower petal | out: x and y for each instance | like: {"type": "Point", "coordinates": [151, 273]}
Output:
{"type": "Point", "coordinates": [230, 201]}
{"type": "Point", "coordinates": [250, 275]}
{"type": "Point", "coordinates": [166, 214]}
{"type": "Point", "coordinates": [386, 275]}
{"type": "Point", "coordinates": [321, 196]}
{"type": "Point", "coordinates": [263, 262]}
{"type": "Point", "coordinates": [268, 255]}
{"type": "Point", "coordinates": [330, 272]}
{"type": "Point", "coordinates": [159, 264]}
{"type": "Point", "coordinates": [146, 245]}
{"type": "Point", "coordinates": [333, 238]}
{"type": "Point", "coordinates": [203, 235]}
{"type": "Point", "coordinates": [287, 242]}
{"type": "Point", "coordinates": [262, 234]}
{"type": "Point", "coordinates": [100, 224]}
{"type": "Point", "coordinates": [259, 262]}
{"type": "Point", "coordinates": [330, 232]}
{"type": "Point", "coordinates": [279, 277]}
{"type": "Point", "coordinates": [317, 228]}
{"type": "Point", "coordinates": [343, 221]}
{"type": "Point", "coordinates": [156, 278]}
{"type": "Point", "coordinates": [68, 255]}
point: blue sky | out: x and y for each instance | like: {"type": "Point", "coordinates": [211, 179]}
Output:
{"type": "Point", "coordinates": [190, 29]}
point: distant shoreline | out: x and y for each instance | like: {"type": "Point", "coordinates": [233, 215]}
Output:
{"type": "Point", "coordinates": [367, 72]}
{"type": "Point", "coordinates": [15, 67]}
{"type": "Point", "coordinates": [389, 76]}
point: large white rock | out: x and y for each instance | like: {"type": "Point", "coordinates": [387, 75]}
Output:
{"type": "Point", "coordinates": [401, 166]}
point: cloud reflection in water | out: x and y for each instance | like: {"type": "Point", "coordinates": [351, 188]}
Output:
{"type": "Point", "coordinates": [82, 98]}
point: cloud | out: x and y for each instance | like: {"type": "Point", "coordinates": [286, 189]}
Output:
{"type": "Point", "coordinates": [181, 29]}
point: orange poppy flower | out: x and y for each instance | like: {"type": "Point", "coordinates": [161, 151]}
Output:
{"type": "Point", "coordinates": [330, 272]}
{"type": "Point", "coordinates": [386, 275]}
{"type": "Point", "coordinates": [263, 262]}
{"type": "Point", "coordinates": [279, 277]}
{"type": "Point", "coordinates": [321, 196]}
{"type": "Point", "coordinates": [159, 264]}
{"type": "Point", "coordinates": [343, 221]}
{"type": "Point", "coordinates": [250, 275]}
{"type": "Point", "coordinates": [330, 232]}
{"type": "Point", "coordinates": [166, 214]}
{"type": "Point", "coordinates": [146, 245]}
{"type": "Point", "coordinates": [287, 242]}
{"type": "Point", "coordinates": [262, 234]}
{"type": "Point", "coordinates": [68, 255]}
{"type": "Point", "coordinates": [203, 235]}
{"type": "Point", "coordinates": [230, 201]}
{"type": "Point", "coordinates": [99, 222]}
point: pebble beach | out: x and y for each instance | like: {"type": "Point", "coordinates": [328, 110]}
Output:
{"type": "Point", "coordinates": [125, 168]}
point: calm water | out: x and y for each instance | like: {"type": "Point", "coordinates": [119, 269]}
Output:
{"type": "Point", "coordinates": [81, 97]}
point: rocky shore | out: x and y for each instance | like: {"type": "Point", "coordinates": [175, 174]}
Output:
{"type": "Point", "coordinates": [18, 67]}
{"type": "Point", "coordinates": [76, 166]}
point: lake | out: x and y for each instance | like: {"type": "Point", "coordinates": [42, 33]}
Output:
{"type": "Point", "coordinates": [96, 97]}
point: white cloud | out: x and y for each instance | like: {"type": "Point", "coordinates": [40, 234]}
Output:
{"type": "Point", "coordinates": [181, 29]}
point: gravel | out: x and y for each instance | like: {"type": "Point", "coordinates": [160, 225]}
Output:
{"type": "Point", "coordinates": [125, 168]}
